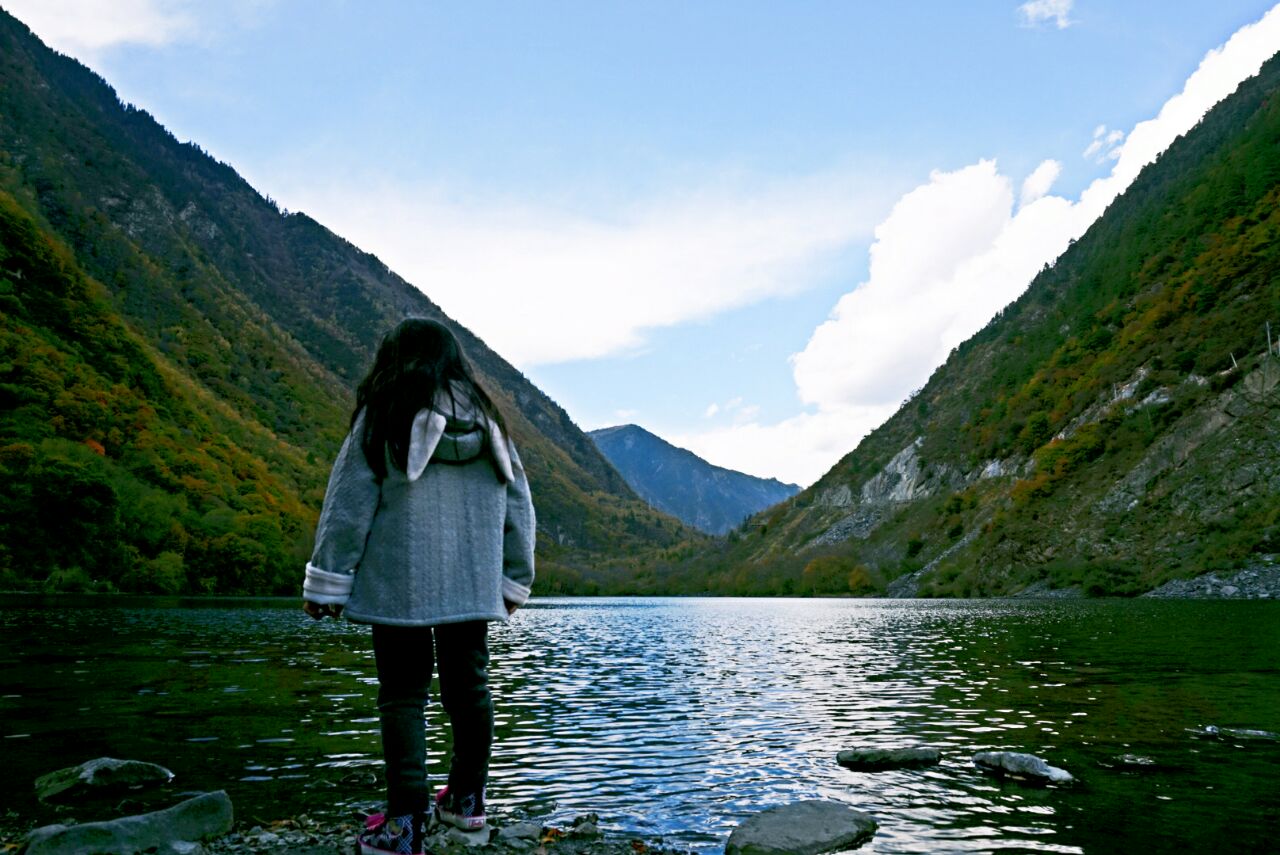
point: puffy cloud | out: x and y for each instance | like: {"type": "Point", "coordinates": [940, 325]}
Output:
{"type": "Point", "coordinates": [1035, 13]}
{"type": "Point", "coordinates": [1039, 182]}
{"type": "Point", "coordinates": [797, 450]}
{"type": "Point", "coordinates": [542, 284]}
{"type": "Point", "coordinates": [934, 263]}
{"type": "Point", "coordinates": [950, 254]}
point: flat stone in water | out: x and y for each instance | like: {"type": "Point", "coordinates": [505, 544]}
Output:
{"type": "Point", "coordinates": [879, 759]}
{"type": "Point", "coordinates": [802, 828]}
{"type": "Point", "coordinates": [1022, 766]}
{"type": "Point", "coordinates": [1234, 733]}
{"type": "Point", "coordinates": [105, 774]}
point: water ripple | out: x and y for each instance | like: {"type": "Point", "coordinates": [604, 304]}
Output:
{"type": "Point", "coordinates": [681, 717]}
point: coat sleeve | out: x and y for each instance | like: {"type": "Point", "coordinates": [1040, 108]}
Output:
{"type": "Point", "coordinates": [350, 503]}
{"type": "Point", "coordinates": [518, 537]}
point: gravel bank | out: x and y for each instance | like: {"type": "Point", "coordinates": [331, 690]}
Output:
{"type": "Point", "coordinates": [1259, 581]}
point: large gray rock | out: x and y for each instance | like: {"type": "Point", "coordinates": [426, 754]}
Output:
{"type": "Point", "coordinates": [198, 818]}
{"type": "Point", "coordinates": [1027, 767]}
{"type": "Point", "coordinates": [880, 759]}
{"type": "Point", "coordinates": [106, 774]}
{"type": "Point", "coordinates": [802, 828]}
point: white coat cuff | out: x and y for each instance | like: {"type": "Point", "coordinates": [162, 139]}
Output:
{"type": "Point", "coordinates": [321, 586]}
{"type": "Point", "coordinates": [514, 592]}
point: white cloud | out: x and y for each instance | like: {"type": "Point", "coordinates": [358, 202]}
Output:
{"type": "Point", "coordinates": [80, 27]}
{"type": "Point", "coordinates": [737, 410]}
{"type": "Point", "coordinates": [1034, 13]}
{"type": "Point", "coordinates": [798, 449]}
{"type": "Point", "coordinates": [950, 254]}
{"type": "Point", "coordinates": [1104, 146]}
{"type": "Point", "coordinates": [543, 284]}
{"type": "Point", "coordinates": [86, 29]}
{"type": "Point", "coordinates": [1038, 182]}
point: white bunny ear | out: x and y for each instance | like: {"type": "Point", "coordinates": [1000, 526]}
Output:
{"type": "Point", "coordinates": [424, 436]}
{"type": "Point", "coordinates": [501, 454]}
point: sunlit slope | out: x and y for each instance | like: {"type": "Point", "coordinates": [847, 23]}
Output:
{"type": "Point", "coordinates": [1116, 426]}
{"type": "Point", "coordinates": [250, 315]}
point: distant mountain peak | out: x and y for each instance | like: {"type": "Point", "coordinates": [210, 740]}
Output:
{"type": "Point", "coordinates": [679, 482]}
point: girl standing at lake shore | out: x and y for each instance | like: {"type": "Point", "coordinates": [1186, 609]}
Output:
{"type": "Point", "coordinates": [427, 533]}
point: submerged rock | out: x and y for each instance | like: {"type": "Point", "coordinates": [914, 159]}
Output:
{"type": "Point", "coordinates": [1234, 733]}
{"type": "Point", "coordinates": [1013, 764]}
{"type": "Point", "coordinates": [105, 774]}
{"type": "Point", "coordinates": [587, 825]}
{"type": "Point", "coordinates": [802, 828]}
{"type": "Point", "coordinates": [880, 759]}
{"type": "Point", "coordinates": [1131, 763]}
{"type": "Point", "coordinates": [1136, 760]}
{"type": "Point", "coordinates": [200, 818]}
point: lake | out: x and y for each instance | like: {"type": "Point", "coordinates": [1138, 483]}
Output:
{"type": "Point", "coordinates": [679, 717]}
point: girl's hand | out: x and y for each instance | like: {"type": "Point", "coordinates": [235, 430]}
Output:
{"type": "Point", "coordinates": [511, 607]}
{"type": "Point", "coordinates": [319, 610]}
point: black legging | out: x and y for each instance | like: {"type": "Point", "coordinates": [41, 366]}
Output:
{"type": "Point", "coordinates": [404, 659]}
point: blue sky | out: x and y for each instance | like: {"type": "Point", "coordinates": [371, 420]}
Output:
{"type": "Point", "coordinates": [750, 227]}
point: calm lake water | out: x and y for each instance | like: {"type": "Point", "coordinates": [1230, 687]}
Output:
{"type": "Point", "coordinates": [678, 717]}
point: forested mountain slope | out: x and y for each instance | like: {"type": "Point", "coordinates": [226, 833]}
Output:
{"type": "Point", "coordinates": [708, 497]}
{"type": "Point", "coordinates": [179, 357]}
{"type": "Point", "coordinates": [1115, 427]}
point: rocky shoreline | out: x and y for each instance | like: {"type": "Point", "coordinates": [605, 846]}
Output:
{"type": "Point", "coordinates": [1259, 581]}
{"type": "Point", "coordinates": [207, 824]}
{"type": "Point", "coordinates": [306, 836]}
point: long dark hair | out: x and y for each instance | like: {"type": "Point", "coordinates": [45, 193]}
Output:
{"type": "Point", "coordinates": [415, 359]}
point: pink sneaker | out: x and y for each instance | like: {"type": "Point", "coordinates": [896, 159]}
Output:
{"type": "Point", "coordinates": [466, 813]}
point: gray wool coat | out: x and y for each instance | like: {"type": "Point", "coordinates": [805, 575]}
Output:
{"type": "Point", "coordinates": [445, 541]}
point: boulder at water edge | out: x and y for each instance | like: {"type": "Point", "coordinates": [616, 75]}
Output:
{"type": "Point", "coordinates": [880, 759]}
{"type": "Point", "coordinates": [205, 816]}
{"type": "Point", "coordinates": [99, 776]}
{"type": "Point", "coordinates": [1023, 766]}
{"type": "Point", "coordinates": [802, 828]}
